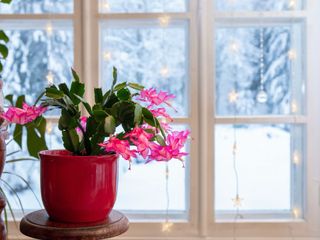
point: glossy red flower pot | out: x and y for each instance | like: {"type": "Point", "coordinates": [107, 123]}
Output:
{"type": "Point", "coordinates": [78, 189]}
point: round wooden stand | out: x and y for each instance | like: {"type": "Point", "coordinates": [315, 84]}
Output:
{"type": "Point", "coordinates": [38, 225]}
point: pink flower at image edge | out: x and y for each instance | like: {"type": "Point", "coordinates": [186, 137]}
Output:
{"type": "Point", "coordinates": [141, 139]}
{"type": "Point", "coordinates": [155, 98]}
{"type": "Point", "coordinates": [22, 115]}
{"type": "Point", "coordinates": [175, 142]}
{"type": "Point", "coordinates": [118, 146]}
{"type": "Point", "coordinates": [83, 122]}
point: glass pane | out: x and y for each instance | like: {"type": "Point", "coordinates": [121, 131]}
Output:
{"type": "Point", "coordinates": [141, 6]}
{"type": "Point", "coordinates": [37, 7]}
{"type": "Point", "coordinates": [144, 186]}
{"type": "Point", "coordinates": [269, 163]}
{"type": "Point", "coordinates": [258, 5]}
{"type": "Point", "coordinates": [29, 170]}
{"type": "Point", "coordinates": [261, 66]}
{"type": "Point", "coordinates": [37, 57]}
{"type": "Point", "coordinates": [146, 53]}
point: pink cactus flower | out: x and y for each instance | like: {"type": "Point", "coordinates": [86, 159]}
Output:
{"type": "Point", "coordinates": [139, 136]}
{"type": "Point", "coordinates": [83, 122]}
{"type": "Point", "coordinates": [118, 146]}
{"type": "Point", "coordinates": [161, 112]}
{"type": "Point", "coordinates": [155, 98]}
{"type": "Point", "coordinates": [177, 138]}
{"type": "Point", "coordinates": [172, 150]}
{"type": "Point", "coordinates": [166, 153]}
{"type": "Point", "coordinates": [23, 115]}
{"type": "Point", "coordinates": [141, 139]}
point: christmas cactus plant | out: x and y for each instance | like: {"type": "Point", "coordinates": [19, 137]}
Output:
{"type": "Point", "coordinates": [128, 120]}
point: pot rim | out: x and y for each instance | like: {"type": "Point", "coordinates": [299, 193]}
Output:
{"type": "Point", "coordinates": [62, 153]}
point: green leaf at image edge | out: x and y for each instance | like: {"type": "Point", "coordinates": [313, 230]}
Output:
{"type": "Point", "coordinates": [77, 89]}
{"type": "Point", "coordinates": [71, 140]}
{"type": "Point", "coordinates": [98, 95]}
{"type": "Point", "coordinates": [136, 86]}
{"type": "Point", "coordinates": [4, 36]}
{"type": "Point", "coordinates": [54, 93]}
{"type": "Point", "coordinates": [109, 125]}
{"type": "Point", "coordinates": [137, 114]}
{"type": "Point", "coordinates": [36, 136]}
{"type": "Point", "coordinates": [4, 51]}
{"type": "Point", "coordinates": [75, 75]}
{"type": "Point", "coordinates": [124, 94]}
{"type": "Point", "coordinates": [6, 1]}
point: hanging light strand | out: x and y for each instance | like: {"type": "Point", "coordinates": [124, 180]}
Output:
{"type": "Point", "coordinates": [164, 22]}
{"type": "Point", "coordinates": [49, 30]}
{"type": "Point", "coordinates": [262, 96]}
{"type": "Point", "coordinates": [237, 200]}
{"type": "Point", "coordinates": [167, 225]}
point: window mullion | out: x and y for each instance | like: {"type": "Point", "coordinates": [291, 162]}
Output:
{"type": "Point", "coordinates": [36, 16]}
{"type": "Point", "coordinates": [90, 38]}
{"type": "Point", "coordinates": [268, 16]}
{"type": "Point", "coordinates": [257, 119]}
{"type": "Point", "coordinates": [127, 16]}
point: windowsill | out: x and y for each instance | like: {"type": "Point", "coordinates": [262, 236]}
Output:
{"type": "Point", "coordinates": [257, 217]}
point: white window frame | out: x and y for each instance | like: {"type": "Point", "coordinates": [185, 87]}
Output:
{"type": "Point", "coordinates": [202, 19]}
{"type": "Point", "coordinates": [258, 225]}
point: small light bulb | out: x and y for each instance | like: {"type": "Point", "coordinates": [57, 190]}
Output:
{"type": "Point", "coordinates": [262, 96]}
{"type": "Point", "coordinates": [49, 128]}
{"type": "Point", "coordinates": [235, 149]}
{"type": "Point", "coordinates": [50, 78]}
{"type": "Point", "coordinates": [164, 71]}
{"type": "Point", "coordinates": [167, 171]}
{"type": "Point", "coordinates": [167, 226]}
{"type": "Point", "coordinates": [49, 29]}
{"type": "Point", "coordinates": [296, 157]}
{"type": "Point", "coordinates": [234, 47]}
{"type": "Point", "coordinates": [164, 21]}
{"type": "Point", "coordinates": [296, 212]}
{"type": "Point", "coordinates": [107, 56]}
{"type": "Point", "coordinates": [292, 54]}
{"type": "Point", "coordinates": [237, 201]}
{"type": "Point", "coordinates": [292, 4]}
{"type": "Point", "coordinates": [106, 5]}
{"type": "Point", "coordinates": [294, 107]}
{"type": "Point", "coordinates": [233, 96]}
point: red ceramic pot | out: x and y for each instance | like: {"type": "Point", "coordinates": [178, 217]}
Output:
{"type": "Point", "coordinates": [78, 189]}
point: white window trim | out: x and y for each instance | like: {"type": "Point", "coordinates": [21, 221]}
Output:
{"type": "Point", "coordinates": [258, 227]}
{"type": "Point", "coordinates": [201, 223]}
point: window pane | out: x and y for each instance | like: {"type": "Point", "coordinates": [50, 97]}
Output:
{"type": "Point", "coordinates": [38, 7]}
{"type": "Point", "coordinates": [258, 5]}
{"type": "Point", "coordinates": [144, 186]}
{"type": "Point", "coordinates": [141, 6]}
{"type": "Point", "coordinates": [145, 53]}
{"type": "Point", "coordinates": [263, 65]}
{"type": "Point", "coordinates": [269, 164]}
{"type": "Point", "coordinates": [29, 170]}
{"type": "Point", "coordinates": [35, 57]}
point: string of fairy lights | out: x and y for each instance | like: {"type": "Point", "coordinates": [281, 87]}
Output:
{"type": "Point", "coordinates": [261, 98]}
{"type": "Point", "coordinates": [49, 29]}
{"type": "Point", "coordinates": [163, 22]}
